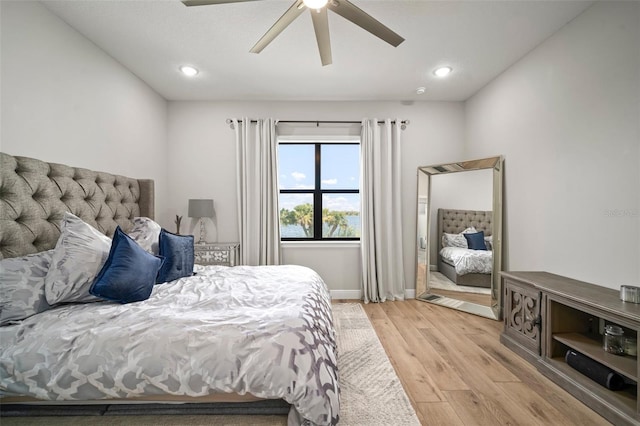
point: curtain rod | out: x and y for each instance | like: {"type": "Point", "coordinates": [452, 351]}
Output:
{"type": "Point", "coordinates": [403, 123]}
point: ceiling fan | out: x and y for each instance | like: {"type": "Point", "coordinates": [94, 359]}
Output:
{"type": "Point", "coordinates": [344, 8]}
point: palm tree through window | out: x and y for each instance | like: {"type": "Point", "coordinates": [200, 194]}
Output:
{"type": "Point", "coordinates": [319, 191]}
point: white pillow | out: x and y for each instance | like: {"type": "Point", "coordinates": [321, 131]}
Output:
{"type": "Point", "coordinates": [488, 241]}
{"type": "Point", "coordinates": [454, 240]}
{"type": "Point", "coordinates": [146, 233]}
{"type": "Point", "coordinates": [457, 240]}
{"type": "Point", "coordinates": [80, 253]}
{"type": "Point", "coordinates": [22, 289]}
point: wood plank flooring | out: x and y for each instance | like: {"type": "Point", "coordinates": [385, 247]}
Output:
{"type": "Point", "coordinates": [456, 372]}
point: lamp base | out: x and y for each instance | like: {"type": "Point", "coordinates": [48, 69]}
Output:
{"type": "Point", "coordinates": [203, 233]}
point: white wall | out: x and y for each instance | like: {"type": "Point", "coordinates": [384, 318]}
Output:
{"type": "Point", "coordinates": [66, 101]}
{"type": "Point", "coordinates": [202, 164]}
{"type": "Point", "coordinates": [567, 119]}
{"type": "Point", "coordinates": [471, 190]}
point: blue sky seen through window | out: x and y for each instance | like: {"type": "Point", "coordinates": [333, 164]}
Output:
{"type": "Point", "coordinates": [296, 164]}
{"type": "Point", "coordinates": [339, 171]}
{"type": "Point", "coordinates": [340, 167]}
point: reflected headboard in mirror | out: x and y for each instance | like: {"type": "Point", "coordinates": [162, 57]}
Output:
{"type": "Point", "coordinates": [461, 195]}
{"type": "Point", "coordinates": [454, 222]}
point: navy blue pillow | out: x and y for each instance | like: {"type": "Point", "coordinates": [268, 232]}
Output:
{"type": "Point", "coordinates": [475, 241]}
{"type": "Point", "coordinates": [177, 251]}
{"type": "Point", "coordinates": [129, 273]}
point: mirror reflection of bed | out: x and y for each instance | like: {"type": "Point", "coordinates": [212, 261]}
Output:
{"type": "Point", "coordinates": [463, 273]}
{"type": "Point", "coordinates": [459, 214]}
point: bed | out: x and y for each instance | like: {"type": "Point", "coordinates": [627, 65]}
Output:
{"type": "Point", "coordinates": [464, 266]}
{"type": "Point", "coordinates": [222, 336]}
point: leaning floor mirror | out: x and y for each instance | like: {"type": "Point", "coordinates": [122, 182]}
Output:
{"type": "Point", "coordinates": [459, 235]}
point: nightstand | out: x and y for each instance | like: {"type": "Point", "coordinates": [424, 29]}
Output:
{"type": "Point", "coordinates": [224, 254]}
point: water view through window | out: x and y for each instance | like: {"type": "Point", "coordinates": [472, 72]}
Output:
{"type": "Point", "coordinates": [319, 190]}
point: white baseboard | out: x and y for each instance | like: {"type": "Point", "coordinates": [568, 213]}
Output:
{"type": "Point", "coordinates": [346, 294]}
{"type": "Point", "coordinates": [409, 293]}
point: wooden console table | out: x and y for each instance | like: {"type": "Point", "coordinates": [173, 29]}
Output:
{"type": "Point", "coordinates": [545, 315]}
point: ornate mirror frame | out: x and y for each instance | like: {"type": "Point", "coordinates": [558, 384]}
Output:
{"type": "Point", "coordinates": [494, 310]}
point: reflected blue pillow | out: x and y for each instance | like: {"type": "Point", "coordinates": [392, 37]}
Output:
{"type": "Point", "coordinates": [475, 241]}
{"type": "Point", "coordinates": [177, 251]}
{"type": "Point", "coordinates": [129, 273]}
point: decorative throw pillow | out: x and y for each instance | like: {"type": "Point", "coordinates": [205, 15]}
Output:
{"type": "Point", "coordinates": [488, 241]}
{"type": "Point", "coordinates": [476, 241]}
{"type": "Point", "coordinates": [146, 233]}
{"type": "Point", "coordinates": [177, 251]}
{"type": "Point", "coordinates": [453, 240]}
{"type": "Point", "coordinates": [457, 240]}
{"type": "Point", "coordinates": [129, 273]}
{"type": "Point", "coordinates": [77, 258]}
{"type": "Point", "coordinates": [22, 288]}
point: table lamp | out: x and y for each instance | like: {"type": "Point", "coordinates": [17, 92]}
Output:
{"type": "Point", "coordinates": [201, 209]}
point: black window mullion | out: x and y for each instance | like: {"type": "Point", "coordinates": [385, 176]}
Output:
{"type": "Point", "coordinates": [317, 198]}
{"type": "Point", "coordinates": [340, 191]}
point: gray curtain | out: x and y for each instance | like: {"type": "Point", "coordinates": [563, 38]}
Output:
{"type": "Point", "coordinates": [257, 166]}
{"type": "Point", "coordinates": [381, 213]}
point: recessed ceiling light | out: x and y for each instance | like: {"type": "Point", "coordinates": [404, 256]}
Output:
{"type": "Point", "coordinates": [420, 90]}
{"type": "Point", "coordinates": [188, 71]}
{"type": "Point", "coordinates": [443, 71]}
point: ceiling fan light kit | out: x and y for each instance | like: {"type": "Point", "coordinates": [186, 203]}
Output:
{"type": "Point", "coordinates": [344, 8]}
{"type": "Point", "coordinates": [315, 4]}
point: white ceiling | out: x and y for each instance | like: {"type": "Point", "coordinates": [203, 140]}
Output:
{"type": "Point", "coordinates": [479, 39]}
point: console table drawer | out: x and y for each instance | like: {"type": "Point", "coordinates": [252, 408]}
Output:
{"type": "Point", "coordinates": [224, 254]}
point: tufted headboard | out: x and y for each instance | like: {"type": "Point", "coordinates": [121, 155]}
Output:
{"type": "Point", "coordinates": [34, 195]}
{"type": "Point", "coordinates": [456, 221]}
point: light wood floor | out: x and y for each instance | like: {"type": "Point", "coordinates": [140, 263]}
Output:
{"type": "Point", "coordinates": [456, 372]}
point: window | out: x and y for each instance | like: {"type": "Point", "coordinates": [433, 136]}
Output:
{"type": "Point", "coordinates": [319, 190]}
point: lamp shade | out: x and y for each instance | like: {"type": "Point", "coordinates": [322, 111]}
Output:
{"type": "Point", "coordinates": [200, 208]}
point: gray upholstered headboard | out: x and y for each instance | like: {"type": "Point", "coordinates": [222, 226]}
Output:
{"type": "Point", "coordinates": [456, 221]}
{"type": "Point", "coordinates": [34, 195]}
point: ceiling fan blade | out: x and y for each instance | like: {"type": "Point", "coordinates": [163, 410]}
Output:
{"type": "Point", "coordinates": [289, 16]}
{"type": "Point", "coordinates": [321, 27]}
{"type": "Point", "coordinates": [207, 2]}
{"type": "Point", "coordinates": [361, 18]}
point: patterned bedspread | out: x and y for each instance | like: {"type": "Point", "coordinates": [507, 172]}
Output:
{"type": "Point", "coordinates": [467, 261]}
{"type": "Point", "coordinates": [264, 330]}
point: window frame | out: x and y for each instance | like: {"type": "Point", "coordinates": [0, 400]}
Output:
{"type": "Point", "coordinates": [317, 192]}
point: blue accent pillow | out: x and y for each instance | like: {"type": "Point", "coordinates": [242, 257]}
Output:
{"type": "Point", "coordinates": [177, 251]}
{"type": "Point", "coordinates": [475, 241]}
{"type": "Point", "coordinates": [129, 273]}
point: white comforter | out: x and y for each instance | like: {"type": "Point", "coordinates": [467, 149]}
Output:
{"type": "Point", "coordinates": [264, 330]}
{"type": "Point", "coordinates": [467, 261]}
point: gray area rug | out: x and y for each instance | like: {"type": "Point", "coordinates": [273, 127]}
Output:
{"type": "Point", "coordinates": [371, 393]}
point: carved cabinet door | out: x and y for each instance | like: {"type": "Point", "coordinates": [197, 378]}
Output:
{"type": "Point", "coordinates": [522, 316]}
